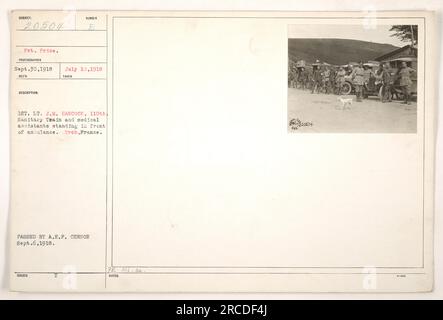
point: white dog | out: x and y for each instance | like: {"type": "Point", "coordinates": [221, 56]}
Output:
{"type": "Point", "coordinates": [345, 102]}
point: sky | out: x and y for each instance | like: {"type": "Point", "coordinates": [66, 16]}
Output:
{"type": "Point", "coordinates": [374, 33]}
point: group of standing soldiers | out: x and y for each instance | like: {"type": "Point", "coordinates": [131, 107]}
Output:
{"type": "Point", "coordinates": [331, 80]}
{"type": "Point", "coordinates": [361, 75]}
{"type": "Point", "coordinates": [327, 80]}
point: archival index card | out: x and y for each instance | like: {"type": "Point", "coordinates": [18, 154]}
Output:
{"type": "Point", "coordinates": [222, 151]}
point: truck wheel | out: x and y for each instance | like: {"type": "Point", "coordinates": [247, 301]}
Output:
{"type": "Point", "coordinates": [346, 88]}
{"type": "Point", "coordinates": [398, 93]}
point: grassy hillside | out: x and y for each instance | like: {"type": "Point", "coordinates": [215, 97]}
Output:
{"type": "Point", "coordinates": [336, 51]}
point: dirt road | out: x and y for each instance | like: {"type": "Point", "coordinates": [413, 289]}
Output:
{"type": "Point", "coordinates": [324, 113]}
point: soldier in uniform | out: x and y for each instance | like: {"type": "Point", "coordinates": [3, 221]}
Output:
{"type": "Point", "coordinates": [316, 78]}
{"type": "Point", "coordinates": [404, 73]}
{"type": "Point", "coordinates": [326, 78]}
{"type": "Point", "coordinates": [302, 77]}
{"type": "Point", "coordinates": [388, 82]}
{"type": "Point", "coordinates": [369, 79]}
{"type": "Point", "coordinates": [332, 76]}
{"type": "Point", "coordinates": [290, 76]}
{"type": "Point", "coordinates": [308, 80]}
{"type": "Point", "coordinates": [340, 79]}
{"type": "Point", "coordinates": [295, 79]}
{"type": "Point", "coordinates": [358, 79]}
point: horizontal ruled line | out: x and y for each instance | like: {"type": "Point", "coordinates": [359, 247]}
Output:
{"type": "Point", "coordinates": [227, 273]}
{"type": "Point", "coordinates": [82, 30]}
{"type": "Point", "coordinates": [260, 267]}
{"type": "Point", "coordinates": [263, 17]}
{"type": "Point", "coordinates": [270, 273]}
{"type": "Point", "coordinates": [60, 79]}
{"type": "Point", "coordinates": [57, 62]}
{"type": "Point", "coordinates": [45, 46]}
{"type": "Point", "coordinates": [58, 272]}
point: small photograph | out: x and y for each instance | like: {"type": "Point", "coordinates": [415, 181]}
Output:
{"type": "Point", "coordinates": [352, 78]}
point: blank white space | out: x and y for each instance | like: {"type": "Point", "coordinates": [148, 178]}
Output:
{"type": "Point", "coordinates": [205, 173]}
